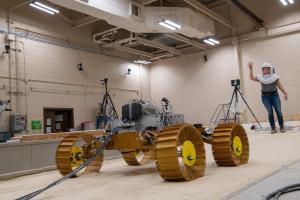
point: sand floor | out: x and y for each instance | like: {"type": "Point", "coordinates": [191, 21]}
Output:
{"type": "Point", "coordinates": [116, 180]}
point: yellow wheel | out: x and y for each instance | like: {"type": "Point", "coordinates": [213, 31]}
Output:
{"type": "Point", "coordinates": [138, 157]}
{"type": "Point", "coordinates": [237, 146]}
{"type": "Point", "coordinates": [188, 153]}
{"type": "Point", "coordinates": [76, 156]}
{"type": "Point", "coordinates": [74, 150]}
{"type": "Point", "coordinates": [180, 154]}
{"type": "Point", "coordinates": [230, 145]}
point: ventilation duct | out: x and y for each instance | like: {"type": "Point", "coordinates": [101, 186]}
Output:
{"type": "Point", "coordinates": [136, 18]}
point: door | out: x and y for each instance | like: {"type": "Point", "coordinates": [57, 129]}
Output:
{"type": "Point", "coordinates": [58, 120]}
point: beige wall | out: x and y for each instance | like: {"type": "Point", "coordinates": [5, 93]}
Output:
{"type": "Point", "coordinates": [52, 80]}
{"type": "Point", "coordinates": [196, 88]}
{"type": "Point", "coordinates": [283, 53]}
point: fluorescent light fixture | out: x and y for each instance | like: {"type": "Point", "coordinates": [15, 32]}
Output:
{"type": "Point", "coordinates": [145, 62]}
{"type": "Point", "coordinates": [43, 9]}
{"type": "Point", "coordinates": [172, 24]}
{"type": "Point", "coordinates": [167, 26]}
{"type": "Point", "coordinates": [209, 42]}
{"type": "Point", "coordinates": [46, 7]}
{"type": "Point", "coordinates": [287, 2]}
{"type": "Point", "coordinates": [284, 2]}
{"type": "Point", "coordinates": [214, 41]}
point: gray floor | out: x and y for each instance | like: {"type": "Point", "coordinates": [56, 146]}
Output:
{"type": "Point", "coordinates": [286, 176]}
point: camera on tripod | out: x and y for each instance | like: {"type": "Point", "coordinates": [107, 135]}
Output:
{"type": "Point", "coordinates": [234, 100]}
{"type": "Point", "coordinates": [104, 81]}
{"type": "Point", "coordinates": [236, 82]}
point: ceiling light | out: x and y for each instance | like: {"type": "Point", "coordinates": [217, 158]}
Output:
{"type": "Point", "coordinates": [43, 7]}
{"type": "Point", "coordinates": [40, 8]}
{"type": "Point", "coordinates": [286, 2]}
{"type": "Point", "coordinates": [209, 42]}
{"type": "Point", "coordinates": [214, 41]}
{"type": "Point", "coordinates": [46, 7]}
{"type": "Point", "coordinates": [145, 62]}
{"type": "Point", "coordinates": [167, 26]}
{"type": "Point", "coordinates": [172, 24]}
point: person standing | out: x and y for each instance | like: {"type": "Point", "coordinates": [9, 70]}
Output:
{"type": "Point", "coordinates": [269, 83]}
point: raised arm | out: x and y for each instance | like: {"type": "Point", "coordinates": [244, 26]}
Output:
{"type": "Point", "coordinates": [252, 77]}
{"type": "Point", "coordinates": [279, 85]}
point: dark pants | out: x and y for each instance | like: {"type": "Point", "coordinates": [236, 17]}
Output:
{"type": "Point", "coordinates": [270, 102]}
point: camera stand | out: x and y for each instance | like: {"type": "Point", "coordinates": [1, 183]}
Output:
{"type": "Point", "coordinates": [236, 91]}
{"type": "Point", "coordinates": [107, 110]}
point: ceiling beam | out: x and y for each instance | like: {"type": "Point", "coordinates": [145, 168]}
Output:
{"type": "Point", "coordinates": [158, 45]}
{"type": "Point", "coordinates": [160, 56]}
{"type": "Point", "coordinates": [216, 3]}
{"type": "Point", "coordinates": [177, 47]}
{"type": "Point", "coordinates": [200, 7]}
{"type": "Point", "coordinates": [134, 51]}
{"type": "Point", "coordinates": [84, 21]}
{"type": "Point", "coordinates": [251, 15]}
{"type": "Point", "coordinates": [145, 2]}
{"type": "Point", "coordinates": [186, 40]}
{"type": "Point", "coordinates": [66, 19]}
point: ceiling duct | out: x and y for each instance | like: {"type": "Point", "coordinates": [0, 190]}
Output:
{"type": "Point", "coordinates": [139, 19]}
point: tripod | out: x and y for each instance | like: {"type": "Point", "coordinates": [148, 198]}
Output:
{"type": "Point", "coordinates": [107, 110]}
{"type": "Point", "coordinates": [236, 91]}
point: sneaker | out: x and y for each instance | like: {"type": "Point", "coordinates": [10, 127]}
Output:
{"type": "Point", "coordinates": [273, 130]}
{"type": "Point", "coordinates": [282, 130]}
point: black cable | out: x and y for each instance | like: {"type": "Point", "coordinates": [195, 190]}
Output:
{"type": "Point", "coordinates": [72, 173]}
{"type": "Point", "coordinates": [276, 197]}
{"type": "Point", "coordinates": [277, 193]}
{"type": "Point", "coordinates": [287, 191]}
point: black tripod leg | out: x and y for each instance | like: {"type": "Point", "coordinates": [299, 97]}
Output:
{"type": "Point", "coordinates": [103, 110]}
{"type": "Point", "coordinates": [113, 106]}
{"type": "Point", "coordinates": [103, 104]}
{"type": "Point", "coordinates": [249, 108]}
{"type": "Point", "coordinates": [235, 104]}
{"type": "Point", "coordinates": [227, 115]}
{"type": "Point", "coordinates": [104, 107]}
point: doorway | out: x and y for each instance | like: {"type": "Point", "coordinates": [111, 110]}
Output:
{"type": "Point", "coordinates": [58, 120]}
